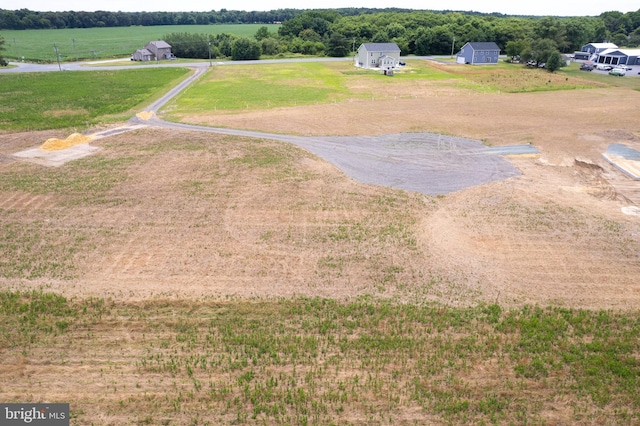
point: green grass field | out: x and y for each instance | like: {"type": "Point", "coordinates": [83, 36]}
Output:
{"type": "Point", "coordinates": [78, 99]}
{"type": "Point", "coordinates": [99, 43]}
{"type": "Point", "coordinates": [313, 361]}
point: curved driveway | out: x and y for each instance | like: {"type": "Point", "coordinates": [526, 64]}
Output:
{"type": "Point", "coordinates": [422, 162]}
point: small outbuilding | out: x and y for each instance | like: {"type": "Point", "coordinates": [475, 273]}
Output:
{"type": "Point", "coordinates": [383, 56]}
{"type": "Point", "coordinates": [142, 55]}
{"type": "Point", "coordinates": [478, 53]}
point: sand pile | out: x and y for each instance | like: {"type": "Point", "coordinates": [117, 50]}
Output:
{"type": "Point", "coordinates": [145, 115]}
{"type": "Point", "coordinates": [54, 144]}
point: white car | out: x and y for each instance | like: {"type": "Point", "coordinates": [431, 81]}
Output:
{"type": "Point", "coordinates": [604, 67]}
{"type": "Point", "coordinates": [620, 72]}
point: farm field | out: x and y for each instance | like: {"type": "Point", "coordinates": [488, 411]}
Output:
{"type": "Point", "coordinates": [183, 277]}
{"type": "Point", "coordinates": [36, 101]}
{"type": "Point", "coordinates": [100, 43]}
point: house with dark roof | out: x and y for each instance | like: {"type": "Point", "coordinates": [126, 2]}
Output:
{"type": "Point", "coordinates": [383, 56]}
{"type": "Point", "coordinates": [153, 51]}
{"type": "Point", "coordinates": [590, 50]}
{"type": "Point", "coordinates": [478, 53]}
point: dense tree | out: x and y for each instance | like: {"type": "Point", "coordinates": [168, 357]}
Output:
{"type": "Point", "coordinates": [189, 45]}
{"type": "Point", "coordinates": [3, 62]}
{"type": "Point", "coordinates": [262, 33]}
{"type": "Point", "coordinates": [269, 46]}
{"type": "Point", "coordinates": [515, 48]}
{"type": "Point", "coordinates": [419, 32]}
{"type": "Point", "coordinates": [554, 61]}
{"type": "Point", "coordinates": [338, 46]}
{"type": "Point", "coordinates": [244, 48]}
{"type": "Point", "coordinates": [634, 38]}
{"type": "Point", "coordinates": [616, 22]}
{"type": "Point", "coordinates": [551, 28]}
{"type": "Point", "coordinates": [318, 21]}
{"type": "Point", "coordinates": [540, 51]}
{"type": "Point", "coordinates": [435, 41]}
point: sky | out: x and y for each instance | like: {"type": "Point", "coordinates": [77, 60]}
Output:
{"type": "Point", "coordinates": [535, 8]}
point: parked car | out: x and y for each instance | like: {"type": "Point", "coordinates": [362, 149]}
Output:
{"type": "Point", "coordinates": [620, 72]}
{"type": "Point", "coordinates": [586, 67]}
{"type": "Point", "coordinates": [604, 67]}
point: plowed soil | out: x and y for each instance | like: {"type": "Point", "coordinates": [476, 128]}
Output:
{"type": "Point", "coordinates": [205, 215]}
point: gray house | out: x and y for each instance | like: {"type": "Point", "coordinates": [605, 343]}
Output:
{"type": "Point", "coordinates": [384, 56]}
{"type": "Point", "coordinates": [153, 51]}
{"type": "Point", "coordinates": [478, 53]}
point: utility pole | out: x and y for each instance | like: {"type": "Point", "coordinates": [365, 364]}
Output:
{"type": "Point", "coordinates": [453, 44]}
{"type": "Point", "coordinates": [55, 49]}
{"type": "Point", "coordinates": [210, 53]}
{"type": "Point", "coordinates": [73, 40]}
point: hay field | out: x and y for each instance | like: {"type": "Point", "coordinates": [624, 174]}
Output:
{"type": "Point", "coordinates": [215, 279]}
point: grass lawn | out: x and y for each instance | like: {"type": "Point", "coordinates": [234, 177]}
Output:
{"type": "Point", "coordinates": [78, 99]}
{"type": "Point", "coordinates": [236, 87]}
{"type": "Point", "coordinates": [242, 87]}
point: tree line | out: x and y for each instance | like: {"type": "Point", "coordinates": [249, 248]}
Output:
{"type": "Point", "coordinates": [338, 32]}
{"type": "Point", "coordinates": [330, 33]}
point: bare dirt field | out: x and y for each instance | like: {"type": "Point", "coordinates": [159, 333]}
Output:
{"type": "Point", "coordinates": [158, 218]}
{"type": "Point", "coordinates": [202, 215]}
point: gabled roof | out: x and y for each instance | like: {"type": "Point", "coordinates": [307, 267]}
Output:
{"type": "Point", "coordinates": [602, 45]}
{"type": "Point", "coordinates": [483, 45]}
{"type": "Point", "coordinates": [160, 44]}
{"type": "Point", "coordinates": [380, 47]}
{"type": "Point", "coordinates": [620, 52]}
{"type": "Point", "coordinates": [144, 51]}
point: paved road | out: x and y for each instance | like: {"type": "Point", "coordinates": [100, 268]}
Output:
{"type": "Point", "coordinates": [423, 162]}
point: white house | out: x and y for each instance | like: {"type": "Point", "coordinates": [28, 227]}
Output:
{"type": "Point", "coordinates": [383, 56]}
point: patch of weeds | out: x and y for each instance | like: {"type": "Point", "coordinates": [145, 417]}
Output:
{"type": "Point", "coordinates": [28, 317]}
{"type": "Point", "coordinates": [36, 250]}
{"type": "Point", "coordinates": [87, 180]}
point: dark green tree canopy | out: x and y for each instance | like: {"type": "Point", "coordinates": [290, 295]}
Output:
{"type": "Point", "coordinates": [3, 62]}
{"type": "Point", "coordinates": [245, 49]}
{"type": "Point", "coordinates": [318, 32]}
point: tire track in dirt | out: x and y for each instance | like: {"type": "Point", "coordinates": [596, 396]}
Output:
{"type": "Point", "coordinates": [524, 249]}
{"type": "Point", "coordinates": [28, 202]}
